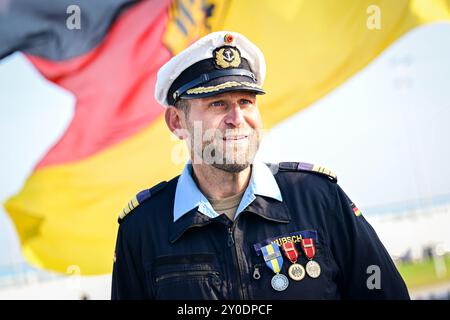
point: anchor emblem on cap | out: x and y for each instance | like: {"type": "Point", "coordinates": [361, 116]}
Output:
{"type": "Point", "coordinates": [227, 57]}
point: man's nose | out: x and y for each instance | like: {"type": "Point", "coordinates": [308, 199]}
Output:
{"type": "Point", "coordinates": [235, 116]}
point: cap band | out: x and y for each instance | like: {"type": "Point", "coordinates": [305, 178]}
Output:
{"type": "Point", "coordinates": [209, 76]}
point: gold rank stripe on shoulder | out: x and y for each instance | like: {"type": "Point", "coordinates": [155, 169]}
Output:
{"type": "Point", "coordinates": [133, 203]}
{"type": "Point", "coordinates": [140, 198]}
{"type": "Point", "coordinates": [324, 170]}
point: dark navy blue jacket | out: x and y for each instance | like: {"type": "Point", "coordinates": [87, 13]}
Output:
{"type": "Point", "coordinates": [198, 257]}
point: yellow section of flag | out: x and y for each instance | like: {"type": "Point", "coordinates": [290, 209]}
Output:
{"type": "Point", "coordinates": [313, 46]}
{"type": "Point", "coordinates": [66, 215]}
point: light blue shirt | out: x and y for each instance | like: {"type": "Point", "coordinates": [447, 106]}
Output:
{"type": "Point", "coordinates": [188, 196]}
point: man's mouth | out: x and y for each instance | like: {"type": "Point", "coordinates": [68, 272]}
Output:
{"type": "Point", "coordinates": [235, 138]}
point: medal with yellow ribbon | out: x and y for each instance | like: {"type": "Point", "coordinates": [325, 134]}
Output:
{"type": "Point", "coordinates": [296, 271]}
{"type": "Point", "coordinates": [274, 260]}
{"type": "Point", "coordinates": [312, 267]}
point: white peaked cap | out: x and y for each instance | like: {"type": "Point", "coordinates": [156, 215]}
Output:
{"type": "Point", "coordinates": [203, 49]}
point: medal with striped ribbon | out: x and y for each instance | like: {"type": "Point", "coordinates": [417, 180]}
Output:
{"type": "Point", "coordinates": [296, 271]}
{"type": "Point", "coordinates": [312, 267]}
{"type": "Point", "coordinates": [274, 260]}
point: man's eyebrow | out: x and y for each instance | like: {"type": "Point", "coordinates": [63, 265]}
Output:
{"type": "Point", "coordinates": [215, 99]}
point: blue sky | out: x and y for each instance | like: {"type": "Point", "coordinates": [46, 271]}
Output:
{"type": "Point", "coordinates": [384, 132]}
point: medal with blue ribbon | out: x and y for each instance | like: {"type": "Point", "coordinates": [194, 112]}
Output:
{"type": "Point", "coordinates": [274, 260]}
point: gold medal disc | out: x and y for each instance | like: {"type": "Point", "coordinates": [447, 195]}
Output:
{"type": "Point", "coordinates": [296, 272]}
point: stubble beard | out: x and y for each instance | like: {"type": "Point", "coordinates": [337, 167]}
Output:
{"type": "Point", "coordinates": [228, 156]}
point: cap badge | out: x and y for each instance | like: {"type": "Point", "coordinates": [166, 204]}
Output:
{"type": "Point", "coordinates": [228, 38]}
{"type": "Point", "coordinates": [227, 57]}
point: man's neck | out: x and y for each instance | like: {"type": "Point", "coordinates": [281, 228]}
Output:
{"type": "Point", "coordinates": [218, 184]}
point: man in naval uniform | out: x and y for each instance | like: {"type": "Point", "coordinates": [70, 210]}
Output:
{"type": "Point", "coordinates": [230, 227]}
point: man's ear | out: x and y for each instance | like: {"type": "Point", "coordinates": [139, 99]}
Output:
{"type": "Point", "coordinates": [174, 121]}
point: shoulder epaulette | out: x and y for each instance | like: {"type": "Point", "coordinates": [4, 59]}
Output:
{"type": "Point", "coordinates": [307, 167]}
{"type": "Point", "coordinates": [140, 198]}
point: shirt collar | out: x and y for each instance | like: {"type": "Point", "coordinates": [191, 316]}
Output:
{"type": "Point", "coordinates": [188, 196]}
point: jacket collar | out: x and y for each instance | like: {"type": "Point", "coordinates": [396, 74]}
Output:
{"type": "Point", "coordinates": [190, 219]}
{"type": "Point", "coordinates": [188, 196]}
{"type": "Point", "coordinates": [263, 198]}
{"type": "Point", "coordinates": [267, 208]}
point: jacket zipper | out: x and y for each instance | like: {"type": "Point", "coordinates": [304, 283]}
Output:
{"type": "Point", "coordinates": [256, 273]}
{"type": "Point", "coordinates": [231, 243]}
{"type": "Point", "coordinates": [187, 274]}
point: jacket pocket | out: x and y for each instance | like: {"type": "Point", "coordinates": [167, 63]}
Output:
{"type": "Point", "coordinates": [193, 276]}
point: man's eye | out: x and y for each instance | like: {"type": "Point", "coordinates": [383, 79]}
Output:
{"type": "Point", "coordinates": [246, 101]}
{"type": "Point", "coordinates": [217, 104]}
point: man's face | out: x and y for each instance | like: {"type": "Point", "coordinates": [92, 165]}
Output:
{"type": "Point", "coordinates": [224, 130]}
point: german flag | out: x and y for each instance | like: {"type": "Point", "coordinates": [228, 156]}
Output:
{"type": "Point", "coordinates": [355, 209]}
{"type": "Point", "coordinates": [107, 54]}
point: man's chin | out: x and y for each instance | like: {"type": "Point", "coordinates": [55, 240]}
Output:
{"type": "Point", "coordinates": [231, 167]}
